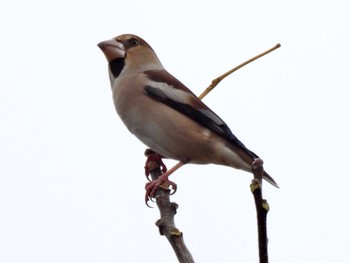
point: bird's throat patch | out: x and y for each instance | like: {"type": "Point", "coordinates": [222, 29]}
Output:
{"type": "Point", "coordinates": [116, 66]}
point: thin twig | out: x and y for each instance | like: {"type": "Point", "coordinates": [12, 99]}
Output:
{"type": "Point", "coordinates": [262, 208]}
{"type": "Point", "coordinates": [216, 81]}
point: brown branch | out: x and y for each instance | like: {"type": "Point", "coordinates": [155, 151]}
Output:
{"type": "Point", "coordinates": [166, 223]}
{"type": "Point", "coordinates": [216, 81]}
{"type": "Point", "coordinates": [262, 208]}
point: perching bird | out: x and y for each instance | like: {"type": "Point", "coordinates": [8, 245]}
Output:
{"type": "Point", "coordinates": [165, 115]}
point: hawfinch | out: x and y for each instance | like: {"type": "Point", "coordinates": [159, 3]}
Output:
{"type": "Point", "coordinates": [165, 115]}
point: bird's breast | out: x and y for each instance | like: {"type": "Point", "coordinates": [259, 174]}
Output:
{"type": "Point", "coordinates": [163, 129]}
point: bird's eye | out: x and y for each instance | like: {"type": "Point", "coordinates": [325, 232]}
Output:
{"type": "Point", "coordinates": [133, 42]}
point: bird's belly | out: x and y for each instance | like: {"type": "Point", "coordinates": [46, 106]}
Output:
{"type": "Point", "coordinates": [174, 142]}
{"type": "Point", "coordinates": [168, 132]}
{"type": "Point", "coordinates": [172, 134]}
{"type": "Point", "coordinates": [178, 147]}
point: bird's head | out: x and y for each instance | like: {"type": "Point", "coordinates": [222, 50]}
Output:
{"type": "Point", "coordinates": [129, 52]}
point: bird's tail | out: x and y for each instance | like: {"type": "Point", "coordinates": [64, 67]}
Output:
{"type": "Point", "coordinates": [269, 179]}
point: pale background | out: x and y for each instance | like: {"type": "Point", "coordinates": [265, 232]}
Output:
{"type": "Point", "coordinates": [71, 176]}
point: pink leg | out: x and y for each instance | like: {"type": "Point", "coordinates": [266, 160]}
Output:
{"type": "Point", "coordinates": [151, 187]}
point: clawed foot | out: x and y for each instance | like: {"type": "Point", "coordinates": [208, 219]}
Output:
{"type": "Point", "coordinates": [154, 160]}
{"type": "Point", "coordinates": [258, 162]}
{"type": "Point", "coordinates": [258, 169]}
{"type": "Point", "coordinates": [152, 186]}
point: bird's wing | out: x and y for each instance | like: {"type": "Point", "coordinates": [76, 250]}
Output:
{"type": "Point", "coordinates": [165, 88]}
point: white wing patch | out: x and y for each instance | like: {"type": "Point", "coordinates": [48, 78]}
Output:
{"type": "Point", "coordinates": [172, 93]}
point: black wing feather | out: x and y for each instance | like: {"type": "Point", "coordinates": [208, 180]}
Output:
{"type": "Point", "coordinates": [221, 129]}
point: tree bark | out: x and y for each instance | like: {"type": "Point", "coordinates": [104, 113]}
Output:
{"type": "Point", "coordinates": [166, 223]}
{"type": "Point", "coordinates": [262, 208]}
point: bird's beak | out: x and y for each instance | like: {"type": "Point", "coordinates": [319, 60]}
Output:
{"type": "Point", "coordinates": [112, 49]}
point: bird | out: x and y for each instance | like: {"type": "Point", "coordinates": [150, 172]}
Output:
{"type": "Point", "coordinates": [166, 115]}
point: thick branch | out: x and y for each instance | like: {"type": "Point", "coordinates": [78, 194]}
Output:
{"type": "Point", "coordinates": [166, 222]}
{"type": "Point", "coordinates": [262, 208]}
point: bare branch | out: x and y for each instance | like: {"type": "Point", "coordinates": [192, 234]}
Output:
{"type": "Point", "coordinates": [166, 223]}
{"type": "Point", "coordinates": [262, 208]}
{"type": "Point", "coordinates": [216, 81]}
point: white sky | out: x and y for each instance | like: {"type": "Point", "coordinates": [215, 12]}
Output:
{"type": "Point", "coordinates": [71, 176]}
